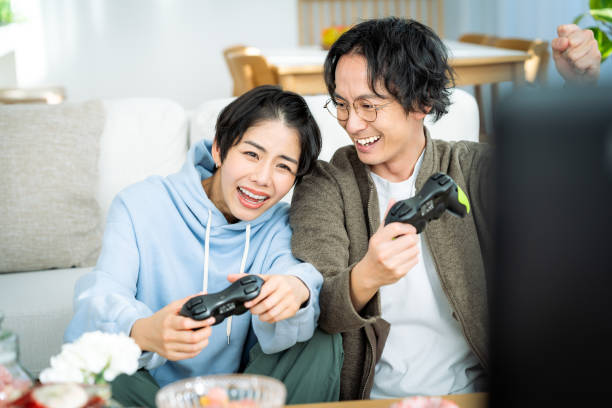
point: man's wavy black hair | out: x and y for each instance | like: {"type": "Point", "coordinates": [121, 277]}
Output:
{"type": "Point", "coordinates": [407, 57]}
{"type": "Point", "coordinates": [268, 102]}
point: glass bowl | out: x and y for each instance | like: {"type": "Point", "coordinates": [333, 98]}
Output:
{"type": "Point", "coordinates": [223, 391]}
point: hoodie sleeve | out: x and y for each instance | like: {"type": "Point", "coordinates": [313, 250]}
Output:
{"type": "Point", "coordinates": [299, 328]}
{"type": "Point", "coordinates": [104, 299]}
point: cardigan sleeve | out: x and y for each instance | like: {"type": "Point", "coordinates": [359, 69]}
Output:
{"type": "Point", "coordinates": [320, 237]}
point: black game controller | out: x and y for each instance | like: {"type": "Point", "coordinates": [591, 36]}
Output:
{"type": "Point", "coordinates": [229, 301]}
{"type": "Point", "coordinates": [440, 193]}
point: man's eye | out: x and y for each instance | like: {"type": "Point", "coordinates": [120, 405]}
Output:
{"type": "Point", "coordinates": [366, 105]}
{"type": "Point", "coordinates": [340, 104]}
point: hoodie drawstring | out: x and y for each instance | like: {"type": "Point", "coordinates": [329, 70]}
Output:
{"type": "Point", "coordinates": [242, 264]}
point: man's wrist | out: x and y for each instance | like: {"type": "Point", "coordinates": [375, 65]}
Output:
{"type": "Point", "coordinates": [362, 288]}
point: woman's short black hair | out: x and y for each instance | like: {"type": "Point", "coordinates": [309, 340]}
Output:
{"type": "Point", "coordinates": [269, 102]}
{"type": "Point", "coordinates": [404, 55]}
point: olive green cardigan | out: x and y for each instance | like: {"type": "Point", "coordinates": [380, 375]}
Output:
{"type": "Point", "coordinates": [334, 212]}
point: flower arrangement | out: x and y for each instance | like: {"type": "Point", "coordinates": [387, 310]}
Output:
{"type": "Point", "coordinates": [94, 358]}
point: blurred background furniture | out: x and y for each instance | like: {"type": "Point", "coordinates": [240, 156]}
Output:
{"type": "Point", "coordinates": [47, 95]}
{"type": "Point", "coordinates": [300, 69]}
{"type": "Point", "coordinates": [316, 15]}
{"type": "Point", "coordinates": [535, 65]}
{"type": "Point", "coordinates": [248, 68]}
{"type": "Point", "coordinates": [481, 39]}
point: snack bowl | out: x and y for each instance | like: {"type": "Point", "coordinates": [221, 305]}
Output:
{"type": "Point", "coordinates": [223, 391]}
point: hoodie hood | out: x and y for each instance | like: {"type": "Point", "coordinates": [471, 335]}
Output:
{"type": "Point", "coordinates": [188, 184]}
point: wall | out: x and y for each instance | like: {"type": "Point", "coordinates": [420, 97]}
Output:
{"type": "Point", "coordinates": [118, 48]}
{"type": "Point", "coordinates": [172, 48]}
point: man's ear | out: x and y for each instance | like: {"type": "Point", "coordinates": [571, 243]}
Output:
{"type": "Point", "coordinates": [420, 114]}
{"type": "Point", "coordinates": [216, 153]}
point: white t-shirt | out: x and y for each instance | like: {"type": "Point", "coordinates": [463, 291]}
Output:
{"type": "Point", "coordinates": [425, 353]}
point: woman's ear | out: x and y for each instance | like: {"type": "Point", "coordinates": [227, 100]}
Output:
{"type": "Point", "coordinates": [216, 154]}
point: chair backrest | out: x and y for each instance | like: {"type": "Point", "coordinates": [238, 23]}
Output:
{"type": "Point", "coordinates": [477, 38]}
{"type": "Point", "coordinates": [249, 69]}
{"type": "Point", "coordinates": [536, 67]}
{"type": "Point", "coordinates": [231, 66]}
{"type": "Point", "coordinates": [316, 15]}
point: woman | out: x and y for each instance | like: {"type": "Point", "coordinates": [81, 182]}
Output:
{"type": "Point", "coordinates": [170, 238]}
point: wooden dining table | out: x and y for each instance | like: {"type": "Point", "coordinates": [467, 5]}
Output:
{"type": "Point", "coordinates": [300, 69]}
{"type": "Point", "coordinates": [474, 400]}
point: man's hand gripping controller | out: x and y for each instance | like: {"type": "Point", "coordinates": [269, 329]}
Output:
{"type": "Point", "coordinates": [440, 193]}
{"type": "Point", "coordinates": [229, 301]}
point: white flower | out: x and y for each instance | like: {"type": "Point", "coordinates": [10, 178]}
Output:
{"type": "Point", "coordinates": [95, 357]}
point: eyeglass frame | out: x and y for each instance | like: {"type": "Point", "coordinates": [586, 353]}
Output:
{"type": "Point", "coordinates": [375, 107]}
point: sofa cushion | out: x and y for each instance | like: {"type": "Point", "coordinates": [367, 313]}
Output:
{"type": "Point", "coordinates": [49, 216]}
{"type": "Point", "coordinates": [142, 137]}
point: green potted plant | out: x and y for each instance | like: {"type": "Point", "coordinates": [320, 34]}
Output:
{"type": "Point", "coordinates": [6, 13]}
{"type": "Point", "coordinates": [600, 12]}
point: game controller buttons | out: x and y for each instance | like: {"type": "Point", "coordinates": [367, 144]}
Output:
{"type": "Point", "coordinates": [248, 279]}
{"type": "Point", "coordinates": [194, 301]}
{"type": "Point", "coordinates": [225, 303]}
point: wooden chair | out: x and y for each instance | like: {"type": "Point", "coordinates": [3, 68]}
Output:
{"type": "Point", "coordinates": [316, 15]}
{"type": "Point", "coordinates": [480, 39]}
{"type": "Point", "coordinates": [248, 69]}
{"type": "Point", "coordinates": [230, 66]}
{"type": "Point", "coordinates": [536, 67]}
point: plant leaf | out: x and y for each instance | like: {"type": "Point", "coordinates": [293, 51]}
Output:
{"type": "Point", "coordinates": [602, 14]}
{"type": "Point", "coordinates": [580, 17]}
{"type": "Point", "coordinates": [604, 43]}
{"type": "Point", "coordinates": [600, 4]}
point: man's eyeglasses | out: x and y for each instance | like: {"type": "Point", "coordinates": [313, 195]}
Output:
{"type": "Point", "coordinates": [364, 109]}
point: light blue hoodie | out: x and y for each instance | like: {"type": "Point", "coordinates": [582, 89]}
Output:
{"type": "Point", "coordinates": [154, 253]}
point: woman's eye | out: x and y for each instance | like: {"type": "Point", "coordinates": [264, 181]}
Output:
{"type": "Point", "coordinates": [251, 154]}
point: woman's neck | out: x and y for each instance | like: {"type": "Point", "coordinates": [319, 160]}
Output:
{"type": "Point", "coordinates": [212, 188]}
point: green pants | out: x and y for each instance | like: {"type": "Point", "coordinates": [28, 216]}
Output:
{"type": "Point", "coordinates": [309, 370]}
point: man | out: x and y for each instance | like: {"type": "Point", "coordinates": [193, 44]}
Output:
{"type": "Point", "coordinates": [422, 297]}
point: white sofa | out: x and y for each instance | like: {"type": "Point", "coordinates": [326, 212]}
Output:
{"type": "Point", "coordinates": [142, 137]}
